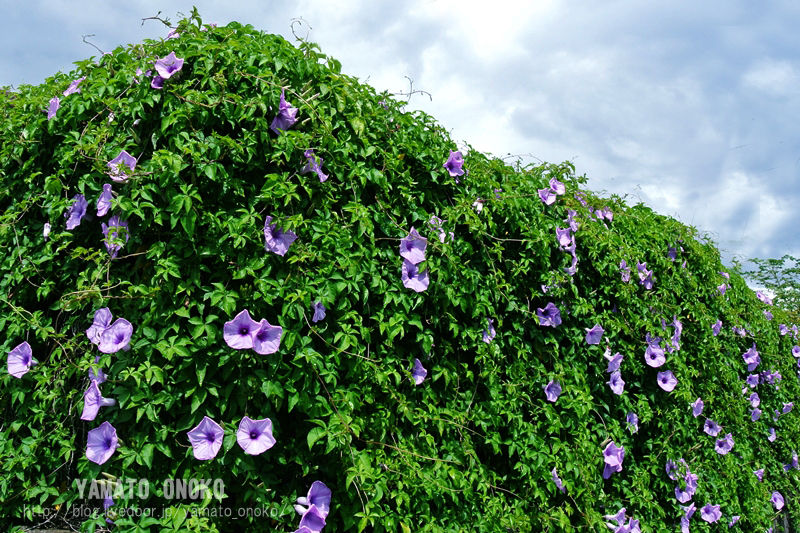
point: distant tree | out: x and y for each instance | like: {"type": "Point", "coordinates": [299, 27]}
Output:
{"type": "Point", "coordinates": [782, 276]}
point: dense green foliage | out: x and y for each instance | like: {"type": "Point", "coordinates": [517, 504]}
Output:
{"type": "Point", "coordinates": [471, 448]}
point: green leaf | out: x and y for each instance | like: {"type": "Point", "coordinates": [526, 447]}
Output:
{"type": "Point", "coordinates": [314, 435]}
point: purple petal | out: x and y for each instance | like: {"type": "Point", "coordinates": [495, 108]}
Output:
{"type": "Point", "coordinates": [412, 248]}
{"type": "Point", "coordinates": [267, 338]}
{"type": "Point", "coordinates": [239, 332]}
{"type": "Point", "coordinates": [412, 278]}
{"type": "Point", "coordinates": [76, 211]}
{"type": "Point", "coordinates": [454, 164]}
{"type": "Point", "coordinates": [255, 436]}
{"type": "Point", "coordinates": [101, 443]}
{"type": "Point", "coordinates": [104, 201]}
{"type": "Point", "coordinates": [116, 337]}
{"type": "Point", "coordinates": [20, 360]}
{"type": "Point", "coordinates": [168, 65]}
{"type": "Point", "coordinates": [206, 439]}
{"type": "Point", "coordinates": [418, 373]}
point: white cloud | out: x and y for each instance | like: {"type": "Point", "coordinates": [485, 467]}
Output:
{"type": "Point", "coordinates": [773, 77]}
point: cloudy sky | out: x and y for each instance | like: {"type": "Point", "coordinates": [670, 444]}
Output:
{"type": "Point", "coordinates": [689, 107]}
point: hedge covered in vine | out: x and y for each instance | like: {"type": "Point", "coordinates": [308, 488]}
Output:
{"type": "Point", "coordinates": [226, 260]}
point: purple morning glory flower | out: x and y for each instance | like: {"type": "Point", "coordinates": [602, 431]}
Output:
{"type": "Point", "coordinates": [206, 439]}
{"type": "Point", "coordinates": [124, 159]}
{"type": "Point", "coordinates": [157, 82]}
{"type": "Point", "coordinates": [645, 276]}
{"type": "Point", "coordinates": [796, 351]}
{"type": "Point", "coordinates": [412, 278]}
{"type": "Point", "coordinates": [255, 436]}
{"type": "Point", "coordinates": [710, 513]}
{"type": "Point", "coordinates": [594, 335]}
{"type": "Point", "coordinates": [614, 361]}
{"type": "Point", "coordinates": [55, 103]}
{"type": "Point", "coordinates": [312, 520]}
{"type": "Point", "coordinates": [102, 319]}
{"type": "Point", "coordinates": [755, 414]}
{"type": "Point", "coordinates": [564, 237]}
{"type": "Point", "coordinates": [104, 201]}
{"type": "Point", "coordinates": [716, 327]}
{"type": "Point", "coordinates": [20, 360]}
{"type": "Point", "coordinates": [412, 248]}
{"type": "Point", "coordinates": [772, 435]}
{"type": "Point", "coordinates": [286, 117]}
{"type": "Point", "coordinates": [319, 312]}
{"type": "Point", "coordinates": [573, 224]}
{"type": "Point", "coordinates": [489, 335]}
{"type": "Point", "coordinates": [755, 401]}
{"type": "Point", "coordinates": [557, 187]}
{"type": "Point", "coordinates": [752, 358]}
{"type": "Point", "coordinates": [173, 34]}
{"type": "Point", "coordinates": [768, 315]}
{"type": "Point", "coordinates": [777, 500]}
{"type": "Point", "coordinates": [557, 481]}
{"type": "Point", "coordinates": [787, 407]}
{"type": "Point", "coordinates": [625, 271]}
{"type": "Point", "coordinates": [277, 240]}
{"type": "Point", "coordinates": [418, 373]}
{"type": "Point", "coordinates": [733, 521]}
{"type": "Point", "coordinates": [654, 354]}
{"type": "Point", "coordinates": [552, 390]}
{"type": "Point", "coordinates": [619, 518]}
{"type": "Point", "coordinates": [454, 164]}
{"type": "Point", "coordinates": [724, 445]}
{"type": "Point", "coordinates": [697, 407]}
{"type": "Point", "coordinates": [722, 288]}
{"type": "Point", "coordinates": [671, 468]}
{"type": "Point", "coordinates": [613, 456]}
{"type": "Point", "coordinates": [101, 443]}
{"type": "Point", "coordinates": [549, 315]}
{"type": "Point", "coordinates": [73, 87]}
{"type": "Point", "coordinates": [239, 332]}
{"type": "Point", "coordinates": [267, 338]}
{"type": "Point", "coordinates": [116, 337]}
{"type": "Point", "coordinates": [547, 196]}
{"type": "Point", "coordinates": [739, 331]}
{"type": "Point", "coordinates": [319, 496]}
{"type": "Point", "coordinates": [93, 401]}
{"type": "Point", "coordinates": [113, 233]}
{"type": "Point", "coordinates": [436, 224]}
{"type": "Point", "coordinates": [752, 380]}
{"type": "Point", "coordinates": [666, 380]}
{"type": "Point", "coordinates": [763, 297]}
{"type": "Point", "coordinates": [759, 474]}
{"type": "Point", "coordinates": [168, 65]}
{"type": "Point", "coordinates": [616, 383]}
{"type": "Point", "coordinates": [99, 376]}
{"type": "Point", "coordinates": [683, 496]}
{"type": "Point", "coordinates": [314, 164]}
{"type": "Point", "coordinates": [76, 211]}
{"type": "Point", "coordinates": [633, 422]}
{"type": "Point", "coordinates": [771, 377]}
{"type": "Point", "coordinates": [711, 428]}
{"type": "Point", "coordinates": [672, 253]}
{"type": "Point", "coordinates": [573, 267]}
